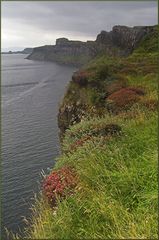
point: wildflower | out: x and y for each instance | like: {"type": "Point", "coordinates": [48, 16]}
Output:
{"type": "Point", "coordinates": [59, 184]}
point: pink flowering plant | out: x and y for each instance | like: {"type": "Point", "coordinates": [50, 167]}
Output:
{"type": "Point", "coordinates": [59, 184]}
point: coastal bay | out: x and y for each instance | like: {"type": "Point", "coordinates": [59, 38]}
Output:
{"type": "Point", "coordinates": [31, 92]}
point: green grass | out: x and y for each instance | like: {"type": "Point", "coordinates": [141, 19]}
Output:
{"type": "Point", "coordinates": [116, 196]}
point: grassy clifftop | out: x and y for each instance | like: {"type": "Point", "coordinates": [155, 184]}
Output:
{"type": "Point", "coordinates": [110, 155]}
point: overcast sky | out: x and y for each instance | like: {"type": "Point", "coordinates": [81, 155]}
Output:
{"type": "Point", "coordinates": [31, 24]}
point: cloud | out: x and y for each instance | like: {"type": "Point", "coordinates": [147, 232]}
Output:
{"type": "Point", "coordinates": [29, 24]}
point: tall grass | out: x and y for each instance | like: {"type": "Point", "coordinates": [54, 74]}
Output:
{"type": "Point", "coordinates": [116, 196]}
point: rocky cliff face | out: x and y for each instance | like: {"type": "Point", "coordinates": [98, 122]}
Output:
{"type": "Point", "coordinates": [120, 41]}
{"type": "Point", "coordinates": [124, 38]}
{"type": "Point", "coordinates": [66, 52]}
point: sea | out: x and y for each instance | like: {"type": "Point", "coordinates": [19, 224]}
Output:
{"type": "Point", "coordinates": [31, 92]}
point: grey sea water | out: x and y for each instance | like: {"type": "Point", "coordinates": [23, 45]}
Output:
{"type": "Point", "coordinates": [31, 92]}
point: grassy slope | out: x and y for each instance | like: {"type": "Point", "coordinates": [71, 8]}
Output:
{"type": "Point", "coordinates": [116, 196]}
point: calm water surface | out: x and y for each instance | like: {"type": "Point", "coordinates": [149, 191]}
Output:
{"type": "Point", "coordinates": [31, 92]}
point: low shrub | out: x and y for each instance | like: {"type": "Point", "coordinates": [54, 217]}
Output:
{"type": "Point", "coordinates": [103, 72]}
{"type": "Point", "coordinates": [115, 86]}
{"type": "Point", "coordinates": [108, 130]}
{"type": "Point", "coordinates": [137, 90]}
{"type": "Point", "coordinates": [96, 98]}
{"type": "Point", "coordinates": [81, 77]}
{"type": "Point", "coordinates": [124, 98]}
{"type": "Point", "coordinates": [105, 131]}
{"type": "Point", "coordinates": [59, 184]}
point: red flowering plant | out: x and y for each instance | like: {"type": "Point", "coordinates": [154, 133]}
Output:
{"type": "Point", "coordinates": [59, 184]}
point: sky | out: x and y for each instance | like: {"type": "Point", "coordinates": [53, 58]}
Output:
{"type": "Point", "coordinates": [37, 23]}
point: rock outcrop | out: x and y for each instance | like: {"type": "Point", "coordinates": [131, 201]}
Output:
{"type": "Point", "coordinates": [123, 37]}
{"type": "Point", "coordinates": [121, 41]}
{"type": "Point", "coordinates": [27, 50]}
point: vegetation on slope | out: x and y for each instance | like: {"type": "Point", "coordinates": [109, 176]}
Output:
{"type": "Point", "coordinates": [113, 151]}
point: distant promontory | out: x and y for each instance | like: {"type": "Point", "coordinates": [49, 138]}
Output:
{"type": "Point", "coordinates": [120, 41]}
{"type": "Point", "coordinates": [25, 51]}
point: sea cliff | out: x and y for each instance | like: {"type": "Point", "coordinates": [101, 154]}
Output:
{"type": "Point", "coordinates": [104, 184]}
